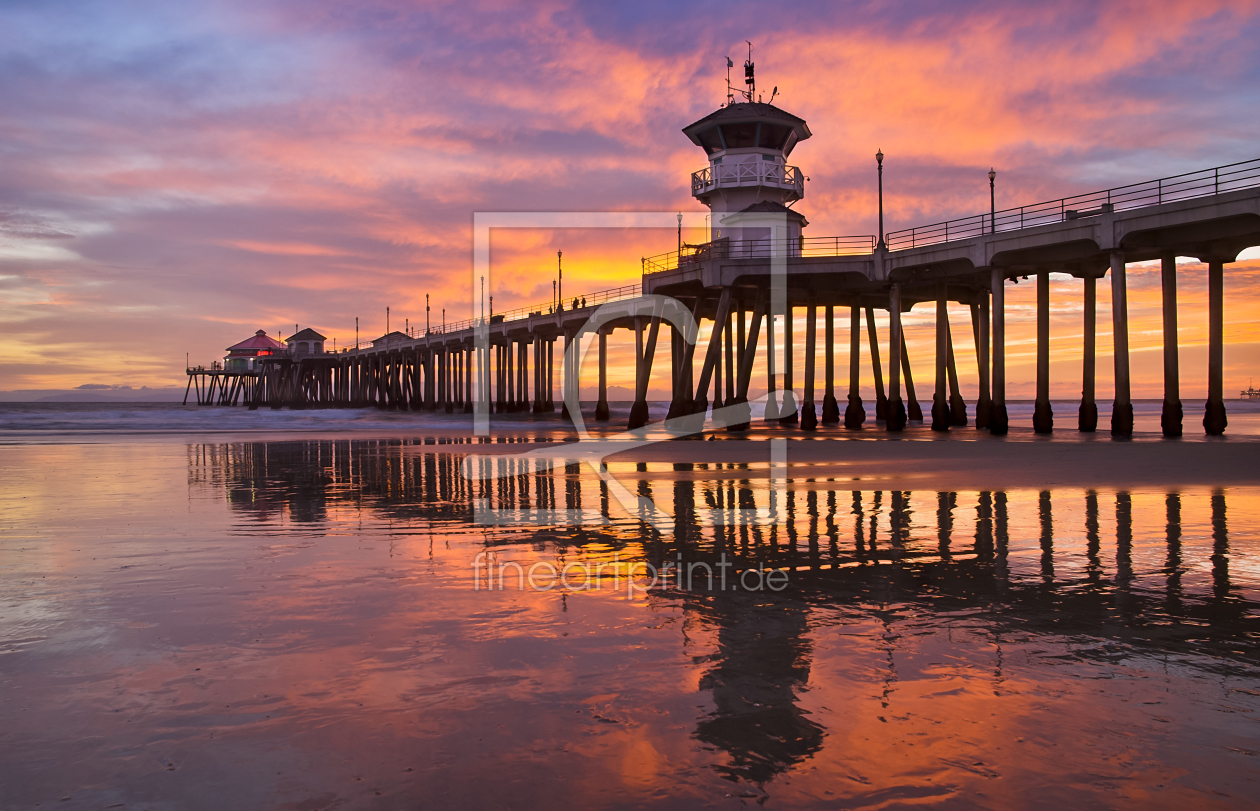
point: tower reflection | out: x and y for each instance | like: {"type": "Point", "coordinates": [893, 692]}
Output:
{"type": "Point", "coordinates": [763, 661]}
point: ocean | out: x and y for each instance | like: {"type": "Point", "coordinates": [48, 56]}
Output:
{"type": "Point", "coordinates": [52, 422]}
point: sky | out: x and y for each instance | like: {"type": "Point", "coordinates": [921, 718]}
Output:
{"type": "Point", "coordinates": [176, 176]}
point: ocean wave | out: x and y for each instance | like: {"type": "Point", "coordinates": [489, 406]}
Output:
{"type": "Point", "coordinates": [77, 419]}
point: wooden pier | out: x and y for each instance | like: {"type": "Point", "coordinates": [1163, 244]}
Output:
{"type": "Point", "coordinates": [1213, 215]}
{"type": "Point", "coordinates": [217, 386]}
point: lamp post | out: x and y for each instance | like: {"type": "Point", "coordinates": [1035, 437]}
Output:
{"type": "Point", "coordinates": [680, 235]}
{"type": "Point", "coordinates": [559, 281]}
{"type": "Point", "coordinates": [992, 206]}
{"type": "Point", "coordinates": [426, 313]}
{"type": "Point", "coordinates": [386, 320]}
{"type": "Point", "coordinates": [879, 160]}
{"type": "Point", "coordinates": [356, 332]}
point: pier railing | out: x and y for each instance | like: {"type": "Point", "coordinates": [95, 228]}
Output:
{"type": "Point", "coordinates": [759, 249]}
{"type": "Point", "coordinates": [518, 314]}
{"type": "Point", "coordinates": [1188, 186]}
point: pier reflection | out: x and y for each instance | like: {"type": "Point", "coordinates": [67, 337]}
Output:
{"type": "Point", "coordinates": [1155, 571]}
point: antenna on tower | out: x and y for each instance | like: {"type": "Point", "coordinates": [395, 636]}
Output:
{"type": "Point", "coordinates": [730, 93]}
{"type": "Point", "coordinates": [751, 92]}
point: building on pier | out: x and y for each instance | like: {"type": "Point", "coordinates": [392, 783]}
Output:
{"type": "Point", "coordinates": [306, 342]}
{"type": "Point", "coordinates": [233, 380]}
{"type": "Point", "coordinates": [242, 357]}
{"type": "Point", "coordinates": [395, 338]}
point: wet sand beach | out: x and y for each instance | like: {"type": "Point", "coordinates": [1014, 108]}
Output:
{"type": "Point", "coordinates": [301, 622]}
{"type": "Point", "coordinates": [921, 461]}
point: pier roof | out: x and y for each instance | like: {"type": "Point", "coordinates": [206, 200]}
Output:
{"type": "Point", "coordinates": [307, 334]}
{"type": "Point", "coordinates": [396, 335]}
{"type": "Point", "coordinates": [260, 341]}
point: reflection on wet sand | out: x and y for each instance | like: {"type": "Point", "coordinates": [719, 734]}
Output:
{"type": "Point", "coordinates": [715, 510]}
{"type": "Point", "coordinates": [294, 625]}
{"type": "Point", "coordinates": [763, 659]}
{"type": "Point", "coordinates": [1150, 569]}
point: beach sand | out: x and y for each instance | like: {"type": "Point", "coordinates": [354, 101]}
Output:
{"type": "Point", "coordinates": [963, 459]}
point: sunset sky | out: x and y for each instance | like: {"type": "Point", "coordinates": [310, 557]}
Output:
{"type": "Point", "coordinates": [176, 176]}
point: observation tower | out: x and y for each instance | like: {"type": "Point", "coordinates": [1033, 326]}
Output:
{"type": "Point", "coordinates": [748, 143]}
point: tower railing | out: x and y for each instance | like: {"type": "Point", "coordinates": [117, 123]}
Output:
{"type": "Point", "coordinates": [1188, 186]}
{"type": "Point", "coordinates": [725, 248]}
{"type": "Point", "coordinates": [753, 173]}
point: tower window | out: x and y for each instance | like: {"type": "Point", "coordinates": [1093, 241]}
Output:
{"type": "Point", "coordinates": [740, 135]}
{"type": "Point", "coordinates": [711, 140]}
{"type": "Point", "coordinates": [773, 136]}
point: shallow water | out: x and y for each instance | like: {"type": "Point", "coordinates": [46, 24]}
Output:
{"type": "Point", "coordinates": [59, 422]}
{"type": "Point", "coordinates": [306, 625]}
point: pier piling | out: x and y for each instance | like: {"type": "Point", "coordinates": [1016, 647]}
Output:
{"type": "Point", "coordinates": [940, 405]}
{"type": "Point", "coordinates": [896, 409]}
{"type": "Point", "coordinates": [1171, 415]}
{"type": "Point", "coordinates": [809, 419]}
{"type": "Point", "coordinates": [854, 413]}
{"type": "Point", "coordinates": [914, 412]}
{"type": "Point", "coordinates": [881, 401]}
{"type": "Point", "coordinates": [830, 408]}
{"type": "Point", "coordinates": [980, 330]}
{"type": "Point", "coordinates": [1087, 421]}
{"type": "Point", "coordinates": [1043, 413]}
{"type": "Point", "coordinates": [1214, 419]}
{"type": "Point", "coordinates": [1122, 408]}
{"type": "Point", "coordinates": [787, 405]}
{"type": "Point", "coordinates": [957, 405]}
{"type": "Point", "coordinates": [997, 416]}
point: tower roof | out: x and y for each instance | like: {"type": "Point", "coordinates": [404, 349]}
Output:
{"type": "Point", "coordinates": [722, 128]}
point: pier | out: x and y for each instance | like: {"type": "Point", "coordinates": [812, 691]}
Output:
{"type": "Point", "coordinates": [219, 386]}
{"type": "Point", "coordinates": [759, 275]}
